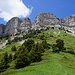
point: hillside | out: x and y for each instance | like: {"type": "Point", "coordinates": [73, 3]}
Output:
{"type": "Point", "coordinates": [52, 63]}
{"type": "Point", "coordinates": [62, 63]}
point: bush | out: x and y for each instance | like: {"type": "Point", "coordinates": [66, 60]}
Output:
{"type": "Point", "coordinates": [45, 44]}
{"type": "Point", "coordinates": [16, 39]}
{"type": "Point", "coordinates": [29, 44]}
{"type": "Point", "coordinates": [13, 48]}
{"type": "Point", "coordinates": [42, 37]}
{"type": "Point", "coordinates": [55, 48]}
{"type": "Point", "coordinates": [10, 57]}
{"type": "Point", "coordinates": [59, 46]}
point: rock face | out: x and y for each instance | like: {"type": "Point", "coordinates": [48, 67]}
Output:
{"type": "Point", "coordinates": [69, 21]}
{"type": "Point", "coordinates": [12, 26]}
{"type": "Point", "coordinates": [25, 24]}
{"type": "Point", "coordinates": [2, 27]}
{"type": "Point", "coordinates": [16, 25]}
{"type": "Point", "coordinates": [45, 19]}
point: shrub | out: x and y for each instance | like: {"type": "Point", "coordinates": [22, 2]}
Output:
{"type": "Point", "coordinates": [59, 46]}
{"type": "Point", "coordinates": [42, 37]}
{"type": "Point", "coordinates": [45, 44]}
{"type": "Point", "coordinates": [10, 57]}
{"type": "Point", "coordinates": [13, 48]}
{"type": "Point", "coordinates": [29, 44]}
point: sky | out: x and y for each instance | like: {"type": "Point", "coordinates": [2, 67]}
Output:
{"type": "Point", "coordinates": [31, 8]}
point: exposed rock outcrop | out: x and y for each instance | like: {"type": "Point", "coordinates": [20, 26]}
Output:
{"type": "Point", "coordinates": [25, 24]}
{"type": "Point", "coordinates": [68, 21]}
{"type": "Point", "coordinates": [2, 27]}
{"type": "Point", "coordinates": [12, 26]}
{"type": "Point", "coordinates": [45, 19]}
{"type": "Point", "coordinates": [16, 25]}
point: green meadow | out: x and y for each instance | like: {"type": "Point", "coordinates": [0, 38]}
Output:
{"type": "Point", "coordinates": [62, 63]}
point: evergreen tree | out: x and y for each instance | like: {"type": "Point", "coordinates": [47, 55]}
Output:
{"type": "Point", "coordinates": [22, 59]}
{"type": "Point", "coordinates": [10, 57]}
{"type": "Point", "coordinates": [59, 46]}
{"type": "Point", "coordinates": [45, 44]}
{"type": "Point", "coordinates": [4, 62]}
{"type": "Point", "coordinates": [35, 53]}
{"type": "Point", "coordinates": [5, 58]}
{"type": "Point", "coordinates": [13, 48]}
{"type": "Point", "coordinates": [29, 44]}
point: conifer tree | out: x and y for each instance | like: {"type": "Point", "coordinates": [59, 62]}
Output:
{"type": "Point", "coordinates": [22, 59]}
{"type": "Point", "coordinates": [10, 57]}
{"type": "Point", "coordinates": [4, 62]}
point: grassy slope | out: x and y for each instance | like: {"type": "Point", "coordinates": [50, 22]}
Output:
{"type": "Point", "coordinates": [52, 63]}
{"type": "Point", "coordinates": [8, 47]}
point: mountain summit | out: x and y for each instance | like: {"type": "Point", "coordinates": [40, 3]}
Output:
{"type": "Point", "coordinates": [16, 25]}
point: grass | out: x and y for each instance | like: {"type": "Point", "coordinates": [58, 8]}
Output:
{"type": "Point", "coordinates": [52, 63]}
{"type": "Point", "coordinates": [8, 47]}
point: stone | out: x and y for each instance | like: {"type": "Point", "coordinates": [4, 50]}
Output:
{"type": "Point", "coordinates": [12, 26]}
{"type": "Point", "coordinates": [45, 19]}
{"type": "Point", "coordinates": [25, 24]}
{"type": "Point", "coordinates": [2, 28]}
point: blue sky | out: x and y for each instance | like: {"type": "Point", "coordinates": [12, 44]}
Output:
{"type": "Point", "coordinates": [60, 8]}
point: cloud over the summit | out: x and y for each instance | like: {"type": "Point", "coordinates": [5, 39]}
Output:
{"type": "Point", "coordinates": [13, 8]}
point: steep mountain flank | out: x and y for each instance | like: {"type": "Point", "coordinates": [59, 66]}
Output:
{"type": "Point", "coordinates": [12, 26]}
{"type": "Point", "coordinates": [2, 27]}
{"type": "Point", "coordinates": [16, 25]}
{"type": "Point", "coordinates": [68, 21]}
{"type": "Point", "coordinates": [25, 24]}
{"type": "Point", "coordinates": [45, 19]}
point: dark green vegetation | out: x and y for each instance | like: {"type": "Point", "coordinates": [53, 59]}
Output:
{"type": "Point", "coordinates": [56, 53]}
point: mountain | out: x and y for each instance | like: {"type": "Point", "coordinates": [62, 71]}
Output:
{"type": "Point", "coordinates": [2, 28]}
{"type": "Point", "coordinates": [68, 21]}
{"type": "Point", "coordinates": [25, 24]}
{"type": "Point", "coordinates": [16, 25]}
{"type": "Point", "coordinates": [45, 19]}
{"type": "Point", "coordinates": [12, 26]}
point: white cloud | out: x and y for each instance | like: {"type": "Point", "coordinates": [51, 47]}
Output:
{"type": "Point", "coordinates": [13, 8]}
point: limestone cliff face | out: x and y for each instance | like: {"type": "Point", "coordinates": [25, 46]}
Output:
{"type": "Point", "coordinates": [12, 26]}
{"type": "Point", "coordinates": [68, 21]}
{"type": "Point", "coordinates": [2, 27]}
{"type": "Point", "coordinates": [45, 19]}
{"type": "Point", "coordinates": [16, 25]}
{"type": "Point", "coordinates": [25, 24]}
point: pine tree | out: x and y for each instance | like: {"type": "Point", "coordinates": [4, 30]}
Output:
{"type": "Point", "coordinates": [13, 48]}
{"type": "Point", "coordinates": [4, 62]}
{"type": "Point", "coordinates": [22, 59]}
{"type": "Point", "coordinates": [5, 59]}
{"type": "Point", "coordinates": [10, 57]}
